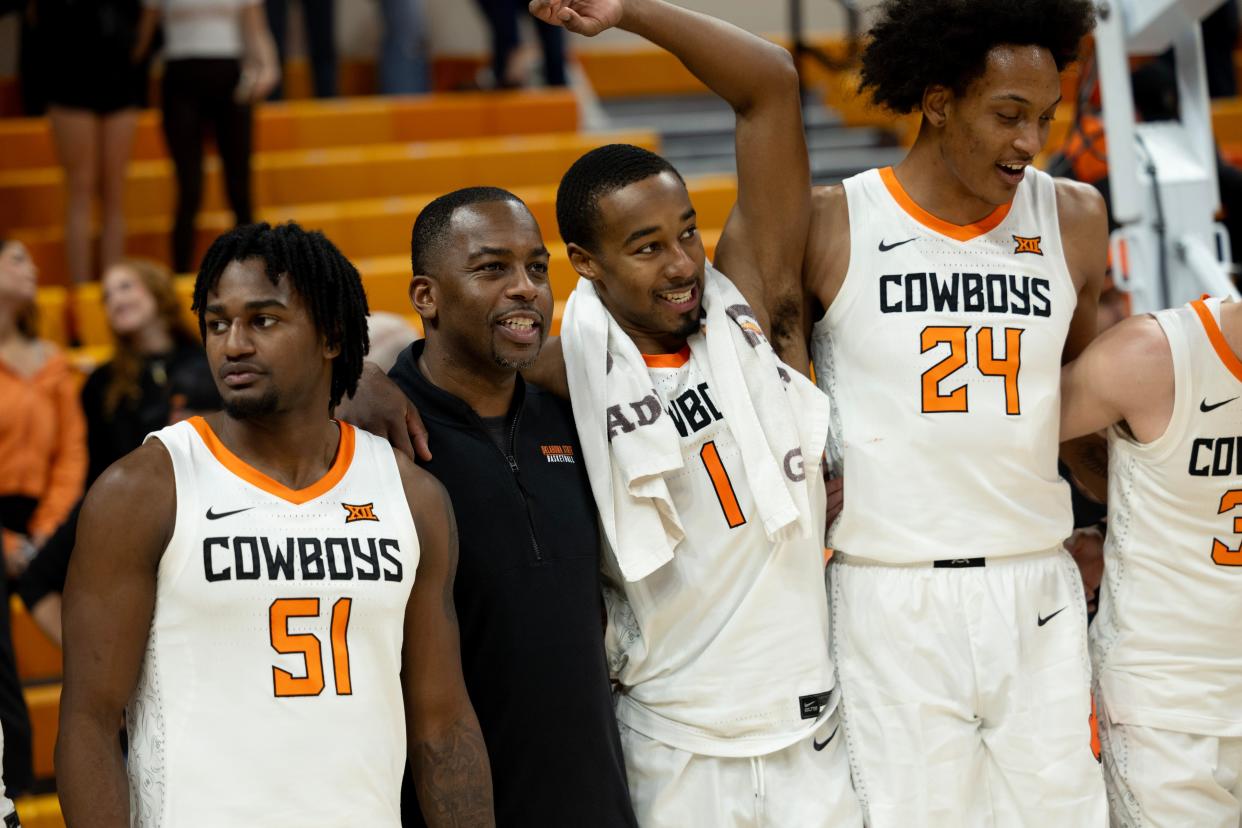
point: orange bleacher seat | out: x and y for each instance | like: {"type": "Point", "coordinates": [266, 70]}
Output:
{"type": "Point", "coordinates": [389, 171]}
{"type": "Point", "coordinates": [50, 304]}
{"type": "Point", "coordinates": [26, 143]}
{"type": "Point", "coordinates": [376, 227]}
{"type": "Point", "coordinates": [41, 811]}
{"type": "Point", "coordinates": [38, 659]}
{"type": "Point", "coordinates": [44, 703]}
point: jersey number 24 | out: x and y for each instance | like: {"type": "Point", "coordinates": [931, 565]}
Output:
{"type": "Point", "coordinates": [957, 400]}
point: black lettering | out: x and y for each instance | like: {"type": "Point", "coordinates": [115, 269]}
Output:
{"type": "Point", "coordinates": [1196, 469]}
{"type": "Point", "coordinates": [1020, 289]}
{"type": "Point", "coordinates": [208, 570]}
{"type": "Point", "coordinates": [345, 571]}
{"type": "Point", "coordinates": [370, 558]}
{"type": "Point", "coordinates": [916, 303]}
{"type": "Point", "coordinates": [241, 558]}
{"type": "Point", "coordinates": [693, 410]}
{"type": "Point", "coordinates": [1042, 304]}
{"type": "Point", "coordinates": [677, 419]}
{"type": "Point", "coordinates": [716, 415]}
{"type": "Point", "coordinates": [617, 424]}
{"type": "Point", "coordinates": [972, 288]}
{"type": "Point", "coordinates": [396, 572]}
{"type": "Point", "coordinates": [1222, 457]}
{"type": "Point", "coordinates": [647, 410]}
{"type": "Point", "coordinates": [885, 305]}
{"type": "Point", "coordinates": [310, 555]}
{"type": "Point", "coordinates": [997, 282]}
{"type": "Point", "coordinates": [279, 562]}
{"type": "Point", "coordinates": [944, 293]}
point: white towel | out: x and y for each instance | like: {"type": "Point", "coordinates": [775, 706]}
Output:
{"type": "Point", "coordinates": [778, 417]}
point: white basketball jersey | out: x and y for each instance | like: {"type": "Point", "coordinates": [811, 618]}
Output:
{"type": "Point", "coordinates": [270, 693]}
{"type": "Point", "coordinates": [1167, 647]}
{"type": "Point", "coordinates": [723, 651]}
{"type": "Point", "coordinates": [942, 355]}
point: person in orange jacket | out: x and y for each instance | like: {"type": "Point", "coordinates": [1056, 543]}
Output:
{"type": "Point", "coordinates": [42, 470]}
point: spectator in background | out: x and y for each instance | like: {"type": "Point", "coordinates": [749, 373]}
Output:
{"type": "Point", "coordinates": [403, 64]}
{"type": "Point", "coordinates": [189, 393]}
{"type": "Point", "coordinates": [507, 64]}
{"type": "Point", "coordinates": [219, 60]}
{"type": "Point", "coordinates": [317, 18]}
{"type": "Point", "coordinates": [94, 99]}
{"type": "Point", "coordinates": [129, 397]}
{"type": "Point", "coordinates": [42, 469]}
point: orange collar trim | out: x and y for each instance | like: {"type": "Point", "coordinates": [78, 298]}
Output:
{"type": "Point", "coordinates": [256, 478]}
{"type": "Point", "coordinates": [1217, 338]}
{"type": "Point", "coordinates": [668, 360]}
{"type": "Point", "coordinates": [960, 232]}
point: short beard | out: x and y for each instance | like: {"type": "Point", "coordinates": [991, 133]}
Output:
{"type": "Point", "coordinates": [510, 365]}
{"type": "Point", "coordinates": [689, 326]}
{"type": "Point", "coordinates": [249, 408]}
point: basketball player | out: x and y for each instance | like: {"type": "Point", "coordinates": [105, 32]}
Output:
{"type": "Point", "coordinates": [245, 587]}
{"type": "Point", "coordinates": [952, 288]}
{"type": "Point", "coordinates": [1168, 658]}
{"type": "Point", "coordinates": [726, 700]}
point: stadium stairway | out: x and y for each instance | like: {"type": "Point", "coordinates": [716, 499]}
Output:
{"type": "Point", "coordinates": [696, 135]}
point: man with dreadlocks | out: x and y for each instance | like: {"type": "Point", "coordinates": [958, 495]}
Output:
{"type": "Point", "coordinates": [952, 287]}
{"type": "Point", "coordinates": [267, 592]}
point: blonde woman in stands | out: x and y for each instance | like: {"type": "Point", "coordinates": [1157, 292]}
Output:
{"type": "Point", "coordinates": [219, 60]}
{"type": "Point", "coordinates": [93, 110]}
{"type": "Point", "coordinates": [42, 468]}
{"type": "Point", "coordinates": [130, 396]}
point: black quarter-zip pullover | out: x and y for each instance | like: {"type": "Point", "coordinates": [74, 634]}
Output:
{"type": "Point", "coordinates": [528, 602]}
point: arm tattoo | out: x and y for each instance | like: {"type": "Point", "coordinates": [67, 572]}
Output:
{"type": "Point", "coordinates": [453, 778]}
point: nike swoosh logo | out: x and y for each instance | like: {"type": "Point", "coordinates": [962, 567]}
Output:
{"type": "Point", "coordinates": [824, 744]}
{"type": "Point", "coordinates": [1205, 408]}
{"type": "Point", "coordinates": [217, 515]}
{"type": "Point", "coordinates": [884, 248]}
{"type": "Point", "coordinates": [1043, 620]}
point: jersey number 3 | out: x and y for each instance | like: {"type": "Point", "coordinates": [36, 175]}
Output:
{"type": "Point", "coordinates": [309, 647]}
{"type": "Point", "coordinates": [990, 365]}
{"type": "Point", "coordinates": [1222, 555]}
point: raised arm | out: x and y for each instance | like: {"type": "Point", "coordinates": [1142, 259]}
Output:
{"type": "Point", "coordinates": [108, 605]}
{"type": "Point", "coordinates": [761, 248]}
{"type": "Point", "coordinates": [448, 758]}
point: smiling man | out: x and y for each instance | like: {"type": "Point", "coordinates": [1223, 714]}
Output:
{"type": "Point", "coordinates": [528, 591]}
{"type": "Point", "coordinates": [952, 288]}
{"type": "Point", "coordinates": [266, 591]}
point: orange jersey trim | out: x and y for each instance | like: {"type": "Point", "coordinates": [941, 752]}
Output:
{"type": "Point", "coordinates": [668, 360]}
{"type": "Point", "coordinates": [1217, 338]}
{"type": "Point", "coordinates": [960, 232]}
{"type": "Point", "coordinates": [256, 478]}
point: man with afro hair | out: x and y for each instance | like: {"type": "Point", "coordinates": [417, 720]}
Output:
{"type": "Point", "coordinates": [950, 289]}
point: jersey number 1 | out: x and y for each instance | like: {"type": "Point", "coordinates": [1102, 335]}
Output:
{"type": "Point", "coordinates": [722, 484]}
{"type": "Point", "coordinates": [989, 365]}
{"type": "Point", "coordinates": [309, 647]}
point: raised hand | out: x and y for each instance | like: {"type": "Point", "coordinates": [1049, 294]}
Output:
{"type": "Point", "coordinates": [584, 17]}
